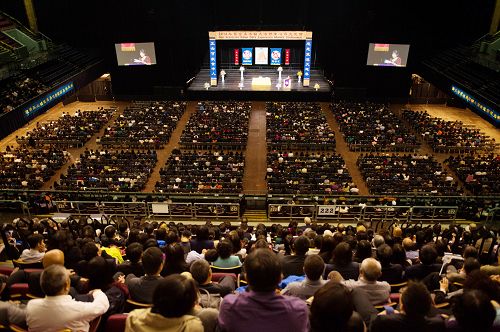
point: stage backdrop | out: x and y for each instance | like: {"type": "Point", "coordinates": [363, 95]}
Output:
{"type": "Point", "coordinates": [248, 54]}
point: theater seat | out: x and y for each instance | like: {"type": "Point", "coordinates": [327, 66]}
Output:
{"type": "Point", "coordinates": [19, 291]}
{"type": "Point", "coordinates": [217, 276]}
{"type": "Point", "coordinates": [6, 270]}
{"type": "Point", "coordinates": [116, 323]}
{"type": "Point", "coordinates": [131, 305]}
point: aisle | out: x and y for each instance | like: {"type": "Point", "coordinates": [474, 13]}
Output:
{"type": "Point", "coordinates": [173, 143]}
{"type": "Point", "coordinates": [91, 144]}
{"type": "Point", "coordinates": [254, 181]}
{"type": "Point", "coordinates": [349, 157]}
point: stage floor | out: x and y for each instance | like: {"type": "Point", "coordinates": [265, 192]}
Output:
{"type": "Point", "coordinates": [232, 81]}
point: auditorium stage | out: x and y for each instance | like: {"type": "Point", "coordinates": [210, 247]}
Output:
{"type": "Point", "coordinates": [231, 89]}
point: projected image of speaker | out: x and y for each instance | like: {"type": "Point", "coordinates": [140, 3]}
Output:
{"type": "Point", "coordinates": [135, 54]}
{"type": "Point", "coordinates": [387, 55]}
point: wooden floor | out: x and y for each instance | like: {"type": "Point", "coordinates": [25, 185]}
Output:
{"type": "Point", "coordinates": [255, 156]}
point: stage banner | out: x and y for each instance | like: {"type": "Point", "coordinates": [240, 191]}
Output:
{"type": "Point", "coordinates": [247, 56]}
{"type": "Point", "coordinates": [213, 63]}
{"type": "Point", "coordinates": [260, 35]}
{"type": "Point", "coordinates": [287, 56]}
{"type": "Point", "coordinates": [275, 56]}
{"type": "Point", "coordinates": [236, 56]}
{"type": "Point", "coordinates": [307, 62]}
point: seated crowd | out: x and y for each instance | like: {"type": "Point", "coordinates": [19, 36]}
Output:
{"type": "Point", "coordinates": [479, 173]}
{"type": "Point", "coordinates": [297, 278]}
{"type": "Point", "coordinates": [29, 168]}
{"type": "Point", "coordinates": [110, 170]}
{"type": "Point", "coordinates": [69, 130]}
{"type": "Point", "coordinates": [191, 172]}
{"type": "Point", "coordinates": [297, 125]}
{"type": "Point", "coordinates": [144, 125]}
{"type": "Point", "coordinates": [403, 174]}
{"type": "Point", "coordinates": [306, 172]}
{"type": "Point", "coordinates": [218, 123]}
{"type": "Point", "coordinates": [372, 127]}
{"type": "Point", "coordinates": [18, 90]}
{"type": "Point", "coordinates": [445, 135]}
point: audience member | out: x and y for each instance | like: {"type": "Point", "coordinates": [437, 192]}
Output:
{"type": "Point", "coordinates": [415, 305]}
{"type": "Point", "coordinates": [142, 288]}
{"type": "Point", "coordinates": [261, 308]}
{"type": "Point", "coordinates": [64, 312]}
{"type": "Point", "coordinates": [314, 267]}
{"type": "Point", "coordinates": [173, 300]}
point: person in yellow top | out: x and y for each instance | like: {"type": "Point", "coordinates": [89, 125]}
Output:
{"type": "Point", "coordinates": [169, 313]}
{"type": "Point", "coordinates": [109, 246]}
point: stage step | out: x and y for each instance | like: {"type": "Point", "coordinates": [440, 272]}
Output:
{"type": "Point", "coordinates": [255, 215]}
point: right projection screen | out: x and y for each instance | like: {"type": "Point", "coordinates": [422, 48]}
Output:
{"type": "Point", "coordinates": [387, 55]}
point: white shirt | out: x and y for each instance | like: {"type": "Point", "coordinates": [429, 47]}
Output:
{"type": "Point", "coordinates": [56, 313]}
{"type": "Point", "coordinates": [31, 255]}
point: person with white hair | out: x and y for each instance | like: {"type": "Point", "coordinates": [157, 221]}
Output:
{"type": "Point", "coordinates": [58, 311]}
{"type": "Point", "coordinates": [377, 291]}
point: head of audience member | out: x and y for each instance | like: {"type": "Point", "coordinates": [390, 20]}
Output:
{"type": "Point", "coordinates": [378, 240]}
{"type": "Point", "coordinates": [470, 251]}
{"type": "Point", "coordinates": [201, 271]}
{"type": "Point", "coordinates": [174, 257]}
{"type": "Point", "coordinates": [470, 265]}
{"type": "Point", "coordinates": [301, 245]}
{"type": "Point", "coordinates": [263, 270]}
{"type": "Point", "coordinates": [35, 242]}
{"type": "Point", "coordinates": [202, 233]}
{"type": "Point", "coordinates": [172, 237]}
{"type": "Point", "coordinates": [134, 252]}
{"type": "Point", "coordinates": [327, 244]}
{"type": "Point", "coordinates": [182, 296]}
{"type": "Point", "coordinates": [152, 261]}
{"type": "Point", "coordinates": [100, 273]}
{"type": "Point", "coordinates": [397, 233]}
{"type": "Point", "coordinates": [314, 266]}
{"type": "Point", "coordinates": [225, 248]}
{"type": "Point", "coordinates": [398, 254]}
{"type": "Point", "coordinates": [384, 254]}
{"type": "Point", "coordinates": [211, 255]}
{"type": "Point", "coordinates": [479, 280]}
{"type": "Point", "coordinates": [235, 240]}
{"type": "Point", "coordinates": [364, 250]}
{"type": "Point", "coordinates": [428, 254]}
{"type": "Point", "coordinates": [55, 280]}
{"type": "Point", "coordinates": [332, 309]}
{"type": "Point", "coordinates": [89, 251]}
{"type": "Point", "coordinates": [342, 254]}
{"type": "Point", "coordinates": [261, 244]}
{"type": "Point", "coordinates": [161, 234]}
{"type": "Point", "coordinates": [408, 244]}
{"type": "Point", "coordinates": [473, 311]}
{"type": "Point", "coordinates": [370, 269]}
{"type": "Point", "coordinates": [110, 232]}
{"type": "Point", "coordinates": [415, 301]}
{"type": "Point", "coordinates": [51, 257]}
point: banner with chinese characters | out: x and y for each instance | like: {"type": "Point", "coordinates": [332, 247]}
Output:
{"type": "Point", "coordinates": [247, 56]}
{"type": "Point", "coordinates": [51, 97]}
{"type": "Point", "coordinates": [236, 56]}
{"type": "Point", "coordinates": [307, 62]}
{"type": "Point", "coordinates": [275, 56]}
{"type": "Point", "coordinates": [287, 56]}
{"type": "Point", "coordinates": [476, 104]}
{"type": "Point", "coordinates": [260, 35]}
{"type": "Point", "coordinates": [213, 62]}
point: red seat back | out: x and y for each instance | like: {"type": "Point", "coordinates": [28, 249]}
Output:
{"type": "Point", "coordinates": [116, 323]}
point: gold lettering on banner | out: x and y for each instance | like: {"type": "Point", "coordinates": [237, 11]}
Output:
{"type": "Point", "coordinates": [261, 35]}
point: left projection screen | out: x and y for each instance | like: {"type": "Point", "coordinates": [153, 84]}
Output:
{"type": "Point", "coordinates": [135, 54]}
